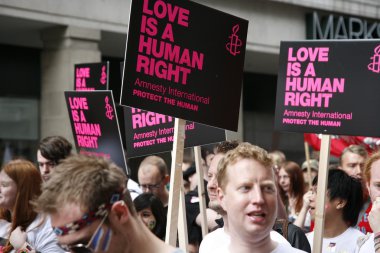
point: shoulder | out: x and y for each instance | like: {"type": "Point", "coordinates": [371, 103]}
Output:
{"type": "Point", "coordinates": [215, 239]}
{"type": "Point", "coordinates": [365, 243]}
{"type": "Point", "coordinates": [286, 248]}
{"type": "Point", "coordinates": [354, 232]}
{"type": "Point", "coordinates": [40, 234]}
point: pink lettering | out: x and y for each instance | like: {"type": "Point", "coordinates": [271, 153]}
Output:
{"type": "Point", "coordinates": [78, 103]}
{"type": "Point", "coordinates": [145, 119]}
{"type": "Point", "coordinates": [82, 72]}
{"type": "Point", "coordinates": [306, 99]}
{"type": "Point", "coordinates": [162, 10]}
{"type": "Point", "coordinates": [87, 141]}
{"type": "Point", "coordinates": [308, 53]}
{"type": "Point", "coordinates": [162, 69]}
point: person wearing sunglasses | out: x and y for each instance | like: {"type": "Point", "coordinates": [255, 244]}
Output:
{"type": "Point", "coordinates": [91, 209]}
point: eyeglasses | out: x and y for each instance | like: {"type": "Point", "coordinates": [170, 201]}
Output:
{"type": "Point", "coordinates": [150, 186]}
{"type": "Point", "coordinates": [89, 247]}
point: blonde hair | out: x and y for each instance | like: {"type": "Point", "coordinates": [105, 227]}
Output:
{"type": "Point", "coordinates": [242, 151]}
{"type": "Point", "coordinates": [85, 180]}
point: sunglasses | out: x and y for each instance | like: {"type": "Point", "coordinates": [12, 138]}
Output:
{"type": "Point", "coordinates": [93, 243]}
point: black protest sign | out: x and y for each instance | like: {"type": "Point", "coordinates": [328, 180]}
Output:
{"type": "Point", "coordinates": [149, 133]}
{"type": "Point", "coordinates": [98, 76]}
{"type": "Point", "coordinates": [185, 60]}
{"type": "Point", "coordinates": [94, 124]}
{"type": "Point", "coordinates": [329, 87]}
{"type": "Point", "coordinates": [91, 76]}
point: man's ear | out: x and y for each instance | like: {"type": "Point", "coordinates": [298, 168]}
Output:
{"type": "Point", "coordinates": [341, 204]}
{"type": "Point", "coordinates": [120, 212]}
{"type": "Point", "coordinates": [166, 179]}
{"type": "Point", "coordinates": [221, 198]}
{"type": "Point", "coordinates": [368, 188]}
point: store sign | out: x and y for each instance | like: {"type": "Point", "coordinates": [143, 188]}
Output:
{"type": "Point", "coordinates": [332, 26]}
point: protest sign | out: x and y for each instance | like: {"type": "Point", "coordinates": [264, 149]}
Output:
{"type": "Point", "coordinates": [329, 87]}
{"type": "Point", "coordinates": [185, 60]}
{"type": "Point", "coordinates": [148, 133]}
{"type": "Point", "coordinates": [94, 124]}
{"type": "Point", "coordinates": [98, 76]}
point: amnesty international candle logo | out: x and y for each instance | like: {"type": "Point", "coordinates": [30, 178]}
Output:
{"type": "Point", "coordinates": [109, 109]}
{"type": "Point", "coordinates": [103, 77]}
{"type": "Point", "coordinates": [235, 43]}
{"type": "Point", "coordinates": [374, 66]}
{"type": "Point", "coordinates": [325, 87]}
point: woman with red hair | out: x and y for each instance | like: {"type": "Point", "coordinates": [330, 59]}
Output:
{"type": "Point", "coordinates": [24, 229]}
{"type": "Point", "coordinates": [292, 189]}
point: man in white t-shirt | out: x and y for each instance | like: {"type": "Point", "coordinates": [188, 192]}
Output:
{"type": "Point", "coordinates": [371, 243]}
{"type": "Point", "coordinates": [343, 198]}
{"type": "Point", "coordinates": [247, 192]}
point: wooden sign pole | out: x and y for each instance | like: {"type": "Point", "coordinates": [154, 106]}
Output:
{"type": "Point", "coordinates": [201, 190]}
{"type": "Point", "coordinates": [321, 193]}
{"type": "Point", "coordinates": [176, 186]}
{"type": "Point", "coordinates": [307, 155]}
{"type": "Point", "coordinates": [182, 224]}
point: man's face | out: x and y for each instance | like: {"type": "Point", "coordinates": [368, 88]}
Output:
{"type": "Point", "coordinates": [8, 191]}
{"type": "Point", "coordinates": [373, 185]}
{"type": "Point", "coordinates": [331, 206]}
{"type": "Point", "coordinates": [353, 164]}
{"type": "Point", "coordinates": [284, 180]}
{"type": "Point", "coordinates": [250, 199]}
{"type": "Point", "coordinates": [212, 184]}
{"type": "Point", "coordinates": [150, 180]}
{"type": "Point", "coordinates": [107, 241]}
{"type": "Point", "coordinates": [45, 166]}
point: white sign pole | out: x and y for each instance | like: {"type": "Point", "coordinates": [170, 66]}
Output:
{"type": "Point", "coordinates": [176, 186]}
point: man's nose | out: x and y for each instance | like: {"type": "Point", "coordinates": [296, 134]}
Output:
{"type": "Point", "coordinates": [257, 195]}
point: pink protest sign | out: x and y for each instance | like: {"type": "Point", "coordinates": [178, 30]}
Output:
{"type": "Point", "coordinates": [329, 87]}
{"type": "Point", "coordinates": [185, 60]}
{"type": "Point", "coordinates": [149, 133]}
{"type": "Point", "coordinates": [94, 124]}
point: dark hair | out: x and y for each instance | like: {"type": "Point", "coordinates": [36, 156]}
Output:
{"type": "Point", "coordinates": [55, 148]}
{"type": "Point", "coordinates": [341, 185]}
{"type": "Point", "coordinates": [148, 200]}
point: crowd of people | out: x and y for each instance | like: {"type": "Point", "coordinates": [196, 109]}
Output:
{"type": "Point", "coordinates": [257, 201]}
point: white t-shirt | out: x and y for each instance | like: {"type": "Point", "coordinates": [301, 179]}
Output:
{"type": "Point", "coordinates": [368, 246]}
{"type": "Point", "coordinates": [220, 240]}
{"type": "Point", "coordinates": [39, 235]}
{"type": "Point", "coordinates": [285, 248]}
{"type": "Point", "coordinates": [343, 243]}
